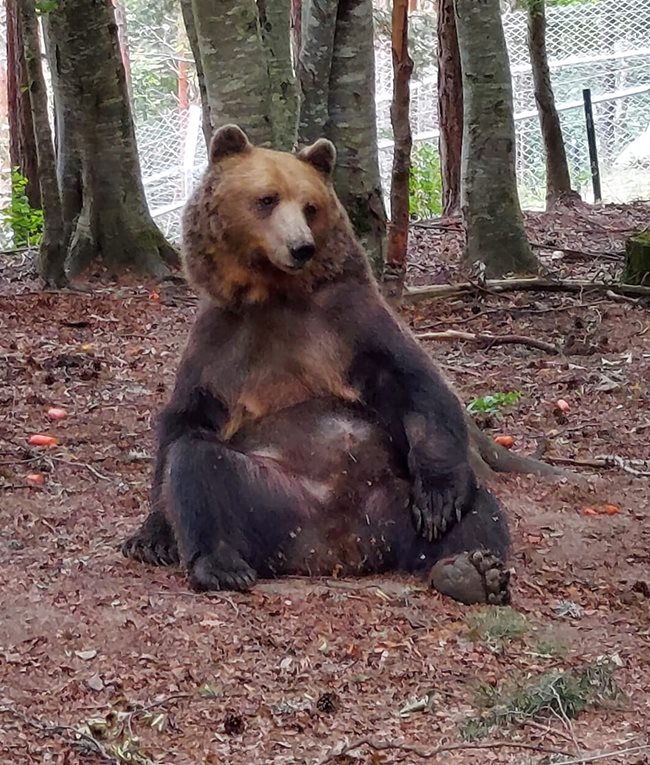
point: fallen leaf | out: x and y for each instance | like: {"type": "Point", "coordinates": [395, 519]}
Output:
{"type": "Point", "coordinates": [95, 683]}
{"type": "Point", "coordinates": [87, 655]}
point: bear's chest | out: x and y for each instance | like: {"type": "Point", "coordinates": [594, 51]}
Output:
{"type": "Point", "coordinates": [280, 360]}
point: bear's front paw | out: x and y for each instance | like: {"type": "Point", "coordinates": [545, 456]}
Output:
{"type": "Point", "coordinates": [223, 569]}
{"type": "Point", "coordinates": [440, 498]}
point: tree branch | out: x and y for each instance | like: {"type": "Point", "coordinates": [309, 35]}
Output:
{"type": "Point", "coordinates": [536, 283]}
{"type": "Point", "coordinates": [490, 340]}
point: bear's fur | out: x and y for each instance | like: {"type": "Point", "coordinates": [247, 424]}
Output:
{"type": "Point", "coordinates": [308, 433]}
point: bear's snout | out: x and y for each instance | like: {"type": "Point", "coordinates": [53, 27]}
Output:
{"type": "Point", "coordinates": [303, 252]}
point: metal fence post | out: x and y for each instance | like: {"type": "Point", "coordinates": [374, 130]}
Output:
{"type": "Point", "coordinates": [591, 140]}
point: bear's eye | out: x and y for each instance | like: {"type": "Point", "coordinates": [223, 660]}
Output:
{"type": "Point", "coordinates": [267, 202]}
{"type": "Point", "coordinates": [310, 211]}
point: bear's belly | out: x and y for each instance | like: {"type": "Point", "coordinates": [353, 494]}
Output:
{"type": "Point", "coordinates": [354, 507]}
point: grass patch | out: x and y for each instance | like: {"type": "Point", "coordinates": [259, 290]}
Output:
{"type": "Point", "coordinates": [496, 625]}
{"type": "Point", "coordinates": [563, 694]}
{"type": "Point", "coordinates": [548, 647]}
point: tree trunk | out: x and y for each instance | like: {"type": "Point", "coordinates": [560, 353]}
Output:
{"type": "Point", "coordinates": [314, 68]}
{"type": "Point", "coordinates": [492, 218]}
{"type": "Point", "coordinates": [53, 244]}
{"type": "Point", "coordinates": [275, 24]}
{"type": "Point", "coordinates": [104, 206]}
{"type": "Point", "coordinates": [233, 60]}
{"type": "Point", "coordinates": [450, 108]}
{"type": "Point", "coordinates": [296, 32]}
{"type": "Point", "coordinates": [22, 147]}
{"type": "Point", "coordinates": [558, 181]}
{"type": "Point", "coordinates": [352, 126]}
{"type": "Point", "coordinates": [399, 114]}
{"type": "Point", "coordinates": [190, 29]}
{"type": "Point", "coordinates": [637, 259]}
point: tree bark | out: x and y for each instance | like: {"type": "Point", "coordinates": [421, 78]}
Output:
{"type": "Point", "coordinates": [52, 251]}
{"type": "Point", "coordinates": [450, 108]}
{"type": "Point", "coordinates": [492, 218]}
{"type": "Point", "coordinates": [22, 146]}
{"type": "Point", "coordinates": [352, 126]}
{"type": "Point", "coordinates": [275, 24]}
{"type": "Point", "coordinates": [637, 259]}
{"type": "Point", "coordinates": [104, 206]}
{"type": "Point", "coordinates": [233, 60]}
{"type": "Point", "coordinates": [190, 29]}
{"type": "Point", "coordinates": [314, 68]}
{"type": "Point", "coordinates": [399, 114]}
{"type": "Point", "coordinates": [558, 181]}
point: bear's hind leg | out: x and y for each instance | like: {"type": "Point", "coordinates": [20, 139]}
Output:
{"type": "Point", "coordinates": [153, 543]}
{"type": "Point", "coordinates": [471, 565]}
{"type": "Point", "coordinates": [230, 512]}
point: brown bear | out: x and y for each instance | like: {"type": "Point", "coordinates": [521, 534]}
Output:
{"type": "Point", "coordinates": [308, 432]}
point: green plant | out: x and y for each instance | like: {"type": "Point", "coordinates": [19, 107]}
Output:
{"type": "Point", "coordinates": [492, 402]}
{"type": "Point", "coordinates": [425, 183]}
{"type": "Point", "coordinates": [563, 694]}
{"type": "Point", "coordinates": [496, 625]}
{"type": "Point", "coordinates": [25, 223]}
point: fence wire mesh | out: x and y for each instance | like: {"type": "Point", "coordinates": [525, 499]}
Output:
{"type": "Point", "coordinates": [594, 44]}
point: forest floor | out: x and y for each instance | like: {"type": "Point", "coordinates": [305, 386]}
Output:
{"type": "Point", "coordinates": [297, 669]}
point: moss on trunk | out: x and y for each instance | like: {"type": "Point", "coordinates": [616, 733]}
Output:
{"type": "Point", "coordinates": [637, 259]}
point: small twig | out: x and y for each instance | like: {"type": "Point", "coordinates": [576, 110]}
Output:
{"type": "Point", "coordinates": [604, 755]}
{"type": "Point", "coordinates": [490, 340]}
{"type": "Point", "coordinates": [427, 754]}
{"type": "Point", "coordinates": [75, 737]}
{"type": "Point", "coordinates": [582, 254]}
{"type": "Point", "coordinates": [546, 729]}
{"type": "Point", "coordinates": [604, 462]}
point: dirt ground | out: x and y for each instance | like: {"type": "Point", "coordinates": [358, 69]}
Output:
{"type": "Point", "coordinates": [297, 669]}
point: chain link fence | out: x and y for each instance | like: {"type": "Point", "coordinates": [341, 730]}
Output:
{"type": "Point", "coordinates": [592, 44]}
{"type": "Point", "coordinates": [596, 44]}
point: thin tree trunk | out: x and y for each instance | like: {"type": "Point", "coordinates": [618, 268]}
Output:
{"type": "Point", "coordinates": [399, 114]}
{"type": "Point", "coordinates": [123, 37]}
{"type": "Point", "coordinates": [190, 29]}
{"type": "Point", "coordinates": [450, 108]}
{"type": "Point", "coordinates": [558, 181]}
{"type": "Point", "coordinates": [492, 218]}
{"type": "Point", "coordinates": [296, 32]}
{"type": "Point", "coordinates": [22, 147]}
{"type": "Point", "coordinates": [53, 245]}
{"type": "Point", "coordinates": [233, 59]}
{"type": "Point", "coordinates": [275, 23]}
{"type": "Point", "coordinates": [104, 206]}
{"type": "Point", "coordinates": [314, 68]}
{"type": "Point", "coordinates": [352, 126]}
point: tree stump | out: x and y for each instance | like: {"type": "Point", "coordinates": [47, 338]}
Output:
{"type": "Point", "coordinates": [637, 259]}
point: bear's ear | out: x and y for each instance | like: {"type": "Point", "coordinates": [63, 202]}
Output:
{"type": "Point", "coordinates": [228, 140]}
{"type": "Point", "coordinates": [321, 154]}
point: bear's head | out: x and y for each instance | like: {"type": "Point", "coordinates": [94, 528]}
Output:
{"type": "Point", "coordinates": [264, 223]}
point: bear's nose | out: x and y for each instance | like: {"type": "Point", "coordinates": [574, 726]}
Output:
{"type": "Point", "coordinates": [302, 253]}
